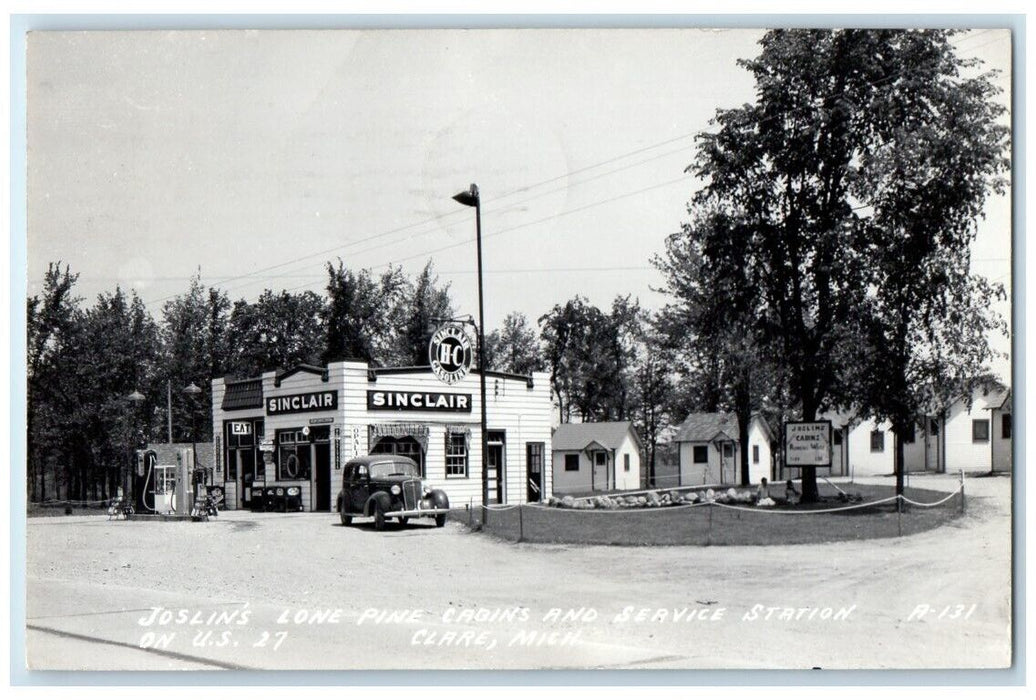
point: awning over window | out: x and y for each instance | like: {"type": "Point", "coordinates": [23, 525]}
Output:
{"type": "Point", "coordinates": [400, 430]}
{"type": "Point", "coordinates": [460, 430]}
{"type": "Point", "coordinates": [243, 394]}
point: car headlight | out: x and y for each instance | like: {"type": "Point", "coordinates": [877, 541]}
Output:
{"type": "Point", "coordinates": [396, 490]}
{"type": "Point", "coordinates": [293, 491]}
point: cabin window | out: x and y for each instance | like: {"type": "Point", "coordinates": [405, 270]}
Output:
{"type": "Point", "coordinates": [1005, 426]}
{"type": "Point", "coordinates": [626, 462]}
{"type": "Point", "coordinates": [571, 463]}
{"type": "Point", "coordinates": [755, 454]}
{"type": "Point", "coordinates": [877, 441]}
{"type": "Point", "coordinates": [980, 430]}
{"type": "Point", "coordinates": [701, 454]}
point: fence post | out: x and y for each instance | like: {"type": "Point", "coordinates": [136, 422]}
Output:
{"type": "Point", "coordinates": [469, 513]}
{"type": "Point", "coordinates": [521, 525]}
{"type": "Point", "coordinates": [708, 536]}
{"type": "Point", "coordinates": [899, 514]}
{"type": "Point", "coordinates": [962, 490]}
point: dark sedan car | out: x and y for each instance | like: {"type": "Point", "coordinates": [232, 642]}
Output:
{"type": "Point", "coordinates": [388, 486]}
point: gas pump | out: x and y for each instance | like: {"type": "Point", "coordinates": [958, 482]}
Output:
{"type": "Point", "coordinates": [144, 481]}
{"type": "Point", "coordinates": [183, 497]}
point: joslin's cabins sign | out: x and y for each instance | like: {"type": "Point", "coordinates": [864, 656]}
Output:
{"type": "Point", "coordinates": [807, 443]}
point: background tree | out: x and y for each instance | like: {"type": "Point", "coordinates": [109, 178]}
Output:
{"type": "Point", "coordinates": [52, 320]}
{"type": "Point", "coordinates": [589, 356]}
{"type": "Point", "coordinates": [812, 172]}
{"type": "Point", "coordinates": [117, 350]}
{"type": "Point", "coordinates": [936, 150]}
{"type": "Point", "coordinates": [427, 301]}
{"type": "Point", "coordinates": [712, 319]}
{"type": "Point", "coordinates": [278, 331]}
{"type": "Point", "coordinates": [194, 343]}
{"type": "Point", "coordinates": [653, 387]}
{"type": "Point", "coordinates": [514, 347]}
{"type": "Point", "coordinates": [358, 317]}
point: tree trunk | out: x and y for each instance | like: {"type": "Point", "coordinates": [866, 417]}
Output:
{"type": "Point", "coordinates": [900, 431]}
{"type": "Point", "coordinates": [743, 407]}
{"type": "Point", "coordinates": [810, 492]}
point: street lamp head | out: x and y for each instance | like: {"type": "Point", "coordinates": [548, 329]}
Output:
{"type": "Point", "coordinates": [136, 396]}
{"type": "Point", "coordinates": [468, 198]}
{"type": "Point", "coordinates": [192, 389]}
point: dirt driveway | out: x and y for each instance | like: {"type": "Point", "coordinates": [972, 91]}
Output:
{"type": "Point", "coordinates": [299, 591]}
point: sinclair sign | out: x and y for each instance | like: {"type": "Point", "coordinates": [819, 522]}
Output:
{"type": "Point", "coordinates": [450, 353]}
{"type": "Point", "coordinates": [807, 444]}
{"type": "Point", "coordinates": [302, 403]}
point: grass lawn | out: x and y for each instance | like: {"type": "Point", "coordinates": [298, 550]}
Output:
{"type": "Point", "coordinates": [715, 525]}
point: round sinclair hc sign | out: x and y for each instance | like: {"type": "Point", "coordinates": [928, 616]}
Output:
{"type": "Point", "coordinates": [450, 353]}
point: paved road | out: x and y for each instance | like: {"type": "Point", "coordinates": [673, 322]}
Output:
{"type": "Point", "coordinates": [299, 591]}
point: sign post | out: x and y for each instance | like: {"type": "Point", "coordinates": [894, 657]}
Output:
{"type": "Point", "coordinates": [807, 444]}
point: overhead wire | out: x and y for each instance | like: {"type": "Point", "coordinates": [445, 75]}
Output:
{"type": "Point", "coordinates": [252, 276]}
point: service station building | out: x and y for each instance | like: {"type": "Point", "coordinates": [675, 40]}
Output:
{"type": "Point", "coordinates": [298, 428]}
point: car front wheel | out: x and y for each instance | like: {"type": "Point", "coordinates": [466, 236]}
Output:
{"type": "Point", "coordinates": [346, 519]}
{"type": "Point", "coordinates": [440, 520]}
{"type": "Point", "coordinates": [379, 517]}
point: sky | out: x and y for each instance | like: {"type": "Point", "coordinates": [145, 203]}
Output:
{"type": "Point", "coordinates": [254, 157]}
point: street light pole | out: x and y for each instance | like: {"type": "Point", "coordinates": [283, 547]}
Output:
{"type": "Point", "coordinates": [125, 479]}
{"type": "Point", "coordinates": [169, 409]}
{"type": "Point", "coordinates": [471, 198]}
{"type": "Point", "coordinates": [193, 390]}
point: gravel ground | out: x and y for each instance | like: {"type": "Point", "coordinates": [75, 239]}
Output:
{"type": "Point", "coordinates": [422, 597]}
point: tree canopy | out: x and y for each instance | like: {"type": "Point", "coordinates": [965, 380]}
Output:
{"type": "Point", "coordinates": [837, 212]}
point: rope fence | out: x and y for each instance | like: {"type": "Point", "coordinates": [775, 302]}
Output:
{"type": "Point", "coordinates": [726, 523]}
{"type": "Point", "coordinates": [102, 503]}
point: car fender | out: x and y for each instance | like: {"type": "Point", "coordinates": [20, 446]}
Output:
{"type": "Point", "coordinates": [379, 497]}
{"type": "Point", "coordinates": [439, 498]}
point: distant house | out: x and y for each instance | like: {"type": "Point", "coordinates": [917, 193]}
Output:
{"type": "Point", "coordinates": [596, 457]}
{"type": "Point", "coordinates": [974, 438]}
{"type": "Point", "coordinates": [1001, 432]}
{"type": "Point", "coordinates": [710, 449]}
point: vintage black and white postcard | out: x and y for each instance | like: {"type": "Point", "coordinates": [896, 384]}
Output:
{"type": "Point", "coordinates": [519, 348]}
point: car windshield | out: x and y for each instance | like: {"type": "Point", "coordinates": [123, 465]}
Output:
{"type": "Point", "coordinates": [383, 469]}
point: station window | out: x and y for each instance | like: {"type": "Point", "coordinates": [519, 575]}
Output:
{"type": "Point", "coordinates": [701, 454]}
{"type": "Point", "coordinates": [755, 454]}
{"type": "Point", "coordinates": [877, 441]}
{"type": "Point", "coordinates": [293, 455]}
{"type": "Point", "coordinates": [626, 462]}
{"type": "Point", "coordinates": [456, 454]}
{"type": "Point", "coordinates": [405, 446]}
{"type": "Point", "coordinates": [980, 430]}
{"type": "Point", "coordinates": [571, 463]}
{"type": "Point", "coordinates": [1005, 426]}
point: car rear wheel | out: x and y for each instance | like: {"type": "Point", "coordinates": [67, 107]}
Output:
{"type": "Point", "coordinates": [346, 519]}
{"type": "Point", "coordinates": [440, 520]}
{"type": "Point", "coordinates": [379, 517]}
